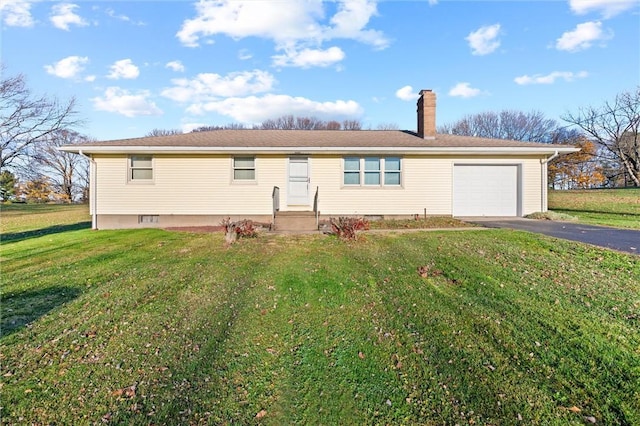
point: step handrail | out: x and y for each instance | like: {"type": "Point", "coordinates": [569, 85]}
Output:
{"type": "Point", "coordinates": [275, 198]}
{"type": "Point", "coordinates": [316, 210]}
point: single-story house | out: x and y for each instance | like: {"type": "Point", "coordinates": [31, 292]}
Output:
{"type": "Point", "coordinates": [197, 179]}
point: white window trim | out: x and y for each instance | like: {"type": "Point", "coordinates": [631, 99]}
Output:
{"type": "Point", "coordinates": [130, 169]}
{"type": "Point", "coordinates": [382, 172]}
{"type": "Point", "coordinates": [244, 181]}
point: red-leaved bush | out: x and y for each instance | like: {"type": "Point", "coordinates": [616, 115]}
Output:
{"type": "Point", "coordinates": [347, 228]}
{"type": "Point", "coordinates": [240, 229]}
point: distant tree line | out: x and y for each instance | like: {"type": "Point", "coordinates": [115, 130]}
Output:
{"type": "Point", "coordinates": [607, 135]}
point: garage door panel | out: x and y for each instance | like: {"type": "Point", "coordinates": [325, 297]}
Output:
{"type": "Point", "coordinates": [485, 190]}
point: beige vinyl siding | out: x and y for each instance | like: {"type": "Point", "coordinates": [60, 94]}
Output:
{"type": "Point", "coordinates": [203, 185]}
{"type": "Point", "coordinates": [336, 198]}
{"type": "Point", "coordinates": [187, 185]}
{"type": "Point", "coordinates": [427, 186]}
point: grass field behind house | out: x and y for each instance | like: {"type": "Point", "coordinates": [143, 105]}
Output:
{"type": "Point", "coordinates": [609, 207]}
{"type": "Point", "coordinates": [42, 218]}
{"type": "Point", "coordinates": [155, 327]}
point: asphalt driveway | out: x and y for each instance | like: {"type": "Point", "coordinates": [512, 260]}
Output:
{"type": "Point", "coordinates": [626, 240]}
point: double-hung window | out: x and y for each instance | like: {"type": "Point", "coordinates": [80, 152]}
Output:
{"type": "Point", "coordinates": [372, 171]}
{"type": "Point", "coordinates": [140, 168]}
{"type": "Point", "coordinates": [352, 171]}
{"type": "Point", "coordinates": [392, 171]}
{"type": "Point", "coordinates": [244, 168]}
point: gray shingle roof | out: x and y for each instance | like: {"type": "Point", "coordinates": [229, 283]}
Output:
{"type": "Point", "coordinates": [320, 140]}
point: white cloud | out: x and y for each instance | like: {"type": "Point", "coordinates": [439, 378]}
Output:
{"type": "Point", "coordinates": [608, 8]}
{"type": "Point", "coordinates": [484, 40]}
{"type": "Point", "coordinates": [406, 93]}
{"type": "Point", "coordinates": [255, 109]}
{"type": "Point", "coordinates": [550, 78]}
{"type": "Point", "coordinates": [123, 102]}
{"type": "Point", "coordinates": [582, 37]}
{"type": "Point", "coordinates": [68, 67]}
{"type": "Point", "coordinates": [293, 20]}
{"type": "Point", "coordinates": [464, 90]}
{"type": "Point", "coordinates": [295, 26]}
{"type": "Point", "coordinates": [90, 78]}
{"type": "Point", "coordinates": [210, 86]}
{"type": "Point", "coordinates": [16, 13]}
{"type": "Point", "coordinates": [124, 68]}
{"type": "Point", "coordinates": [350, 22]}
{"type": "Point", "coordinates": [244, 54]}
{"type": "Point", "coordinates": [63, 16]}
{"type": "Point", "coordinates": [309, 58]}
{"type": "Point", "coordinates": [189, 127]}
{"type": "Point", "coordinates": [176, 66]}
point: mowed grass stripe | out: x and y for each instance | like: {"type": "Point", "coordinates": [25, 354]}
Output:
{"type": "Point", "coordinates": [486, 326]}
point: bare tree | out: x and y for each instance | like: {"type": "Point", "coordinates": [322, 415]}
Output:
{"type": "Point", "coordinates": [290, 122]}
{"type": "Point", "coordinates": [67, 173]}
{"type": "Point", "coordinates": [27, 120]}
{"type": "Point", "coordinates": [164, 132]}
{"type": "Point", "coordinates": [333, 125]}
{"type": "Point", "coordinates": [285, 122]}
{"type": "Point", "coordinates": [387, 126]}
{"type": "Point", "coordinates": [614, 127]}
{"type": "Point", "coordinates": [352, 125]}
{"type": "Point", "coordinates": [515, 125]}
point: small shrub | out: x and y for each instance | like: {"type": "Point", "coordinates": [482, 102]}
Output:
{"type": "Point", "coordinates": [241, 229]}
{"type": "Point", "coordinates": [347, 228]}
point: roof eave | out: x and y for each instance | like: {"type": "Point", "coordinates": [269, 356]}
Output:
{"type": "Point", "coordinates": [431, 150]}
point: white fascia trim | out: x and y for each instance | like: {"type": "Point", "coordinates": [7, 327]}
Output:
{"type": "Point", "coordinates": [319, 150]}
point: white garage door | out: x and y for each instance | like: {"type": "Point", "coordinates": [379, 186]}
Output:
{"type": "Point", "coordinates": [485, 190]}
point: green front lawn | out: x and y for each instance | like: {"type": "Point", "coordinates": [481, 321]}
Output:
{"type": "Point", "coordinates": [610, 207]}
{"type": "Point", "coordinates": [156, 327]}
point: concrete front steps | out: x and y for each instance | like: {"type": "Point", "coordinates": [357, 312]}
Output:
{"type": "Point", "coordinates": [295, 221]}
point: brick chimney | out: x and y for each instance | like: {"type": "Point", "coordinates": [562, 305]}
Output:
{"type": "Point", "coordinates": [427, 114]}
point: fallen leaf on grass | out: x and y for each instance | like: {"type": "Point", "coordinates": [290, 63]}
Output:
{"type": "Point", "coordinates": [128, 392]}
{"type": "Point", "coordinates": [423, 271]}
{"type": "Point", "coordinates": [360, 355]}
{"type": "Point", "coordinates": [574, 409]}
{"type": "Point", "coordinates": [261, 414]}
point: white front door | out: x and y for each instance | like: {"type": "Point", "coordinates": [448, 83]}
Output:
{"type": "Point", "coordinates": [298, 181]}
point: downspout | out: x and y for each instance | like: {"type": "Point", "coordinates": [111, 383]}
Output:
{"type": "Point", "coordinates": [543, 180]}
{"type": "Point", "coordinates": [92, 190]}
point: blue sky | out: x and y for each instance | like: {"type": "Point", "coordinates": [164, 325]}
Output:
{"type": "Point", "coordinates": [134, 66]}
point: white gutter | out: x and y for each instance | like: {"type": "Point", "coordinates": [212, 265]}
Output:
{"type": "Point", "coordinates": [92, 189]}
{"type": "Point", "coordinates": [322, 150]}
{"type": "Point", "coordinates": [543, 180]}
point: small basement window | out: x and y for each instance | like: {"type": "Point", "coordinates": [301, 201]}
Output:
{"type": "Point", "coordinates": [148, 218]}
